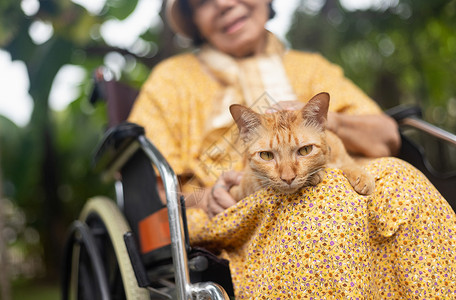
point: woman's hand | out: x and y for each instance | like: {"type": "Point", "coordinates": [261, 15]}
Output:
{"type": "Point", "coordinates": [366, 135]}
{"type": "Point", "coordinates": [217, 198]}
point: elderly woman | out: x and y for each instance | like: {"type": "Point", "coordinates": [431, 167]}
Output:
{"type": "Point", "coordinates": [325, 241]}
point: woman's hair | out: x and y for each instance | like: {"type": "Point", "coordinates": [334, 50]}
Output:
{"type": "Point", "coordinates": [186, 10]}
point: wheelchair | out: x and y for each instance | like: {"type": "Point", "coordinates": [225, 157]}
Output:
{"type": "Point", "coordinates": [138, 248]}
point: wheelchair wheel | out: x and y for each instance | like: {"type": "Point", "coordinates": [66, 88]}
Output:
{"type": "Point", "coordinates": [107, 226]}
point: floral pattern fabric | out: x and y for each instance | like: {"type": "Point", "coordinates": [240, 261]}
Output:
{"type": "Point", "coordinates": [328, 242]}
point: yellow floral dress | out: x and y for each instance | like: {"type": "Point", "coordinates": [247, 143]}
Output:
{"type": "Point", "coordinates": [325, 242]}
{"type": "Point", "coordinates": [328, 242]}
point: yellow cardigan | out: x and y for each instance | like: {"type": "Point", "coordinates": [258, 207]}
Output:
{"type": "Point", "coordinates": [176, 99]}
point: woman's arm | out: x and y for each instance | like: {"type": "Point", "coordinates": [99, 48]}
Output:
{"type": "Point", "coordinates": [374, 135]}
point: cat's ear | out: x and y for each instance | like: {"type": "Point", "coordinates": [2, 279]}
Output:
{"type": "Point", "coordinates": [246, 119]}
{"type": "Point", "coordinates": [316, 110]}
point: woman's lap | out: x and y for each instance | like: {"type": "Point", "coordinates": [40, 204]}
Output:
{"type": "Point", "coordinates": [412, 235]}
{"type": "Point", "coordinates": [330, 241]}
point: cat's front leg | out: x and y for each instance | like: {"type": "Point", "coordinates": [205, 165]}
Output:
{"type": "Point", "coordinates": [360, 179]}
{"type": "Point", "coordinates": [237, 193]}
{"type": "Point", "coordinates": [249, 185]}
{"type": "Point", "coordinates": [316, 178]}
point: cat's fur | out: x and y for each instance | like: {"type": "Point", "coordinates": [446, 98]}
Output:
{"type": "Point", "coordinates": [284, 134]}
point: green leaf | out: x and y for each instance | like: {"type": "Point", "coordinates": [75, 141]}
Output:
{"type": "Point", "coordinates": [121, 9]}
{"type": "Point", "coordinates": [21, 47]}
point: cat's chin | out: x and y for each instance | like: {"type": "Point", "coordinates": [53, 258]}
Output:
{"type": "Point", "coordinates": [287, 189]}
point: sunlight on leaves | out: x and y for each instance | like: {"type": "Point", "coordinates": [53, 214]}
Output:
{"type": "Point", "coordinates": [41, 31]}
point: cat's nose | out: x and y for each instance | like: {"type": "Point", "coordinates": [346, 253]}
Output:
{"type": "Point", "coordinates": [288, 179]}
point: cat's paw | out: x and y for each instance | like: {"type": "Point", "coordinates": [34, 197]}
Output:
{"type": "Point", "coordinates": [236, 193]}
{"type": "Point", "coordinates": [364, 184]}
{"type": "Point", "coordinates": [316, 178]}
{"type": "Point", "coordinates": [361, 180]}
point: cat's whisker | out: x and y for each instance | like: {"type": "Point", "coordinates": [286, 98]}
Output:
{"type": "Point", "coordinates": [265, 185]}
{"type": "Point", "coordinates": [315, 172]}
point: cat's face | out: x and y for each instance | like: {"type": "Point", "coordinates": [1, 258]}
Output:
{"type": "Point", "coordinates": [287, 148]}
{"type": "Point", "coordinates": [286, 153]}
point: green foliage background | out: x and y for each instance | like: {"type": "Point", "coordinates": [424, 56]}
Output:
{"type": "Point", "coordinates": [403, 53]}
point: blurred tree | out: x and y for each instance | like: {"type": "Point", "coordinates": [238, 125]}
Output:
{"type": "Point", "coordinates": [397, 51]}
{"type": "Point", "coordinates": [47, 163]}
{"type": "Point", "coordinates": [5, 286]}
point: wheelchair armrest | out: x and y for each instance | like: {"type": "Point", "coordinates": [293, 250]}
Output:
{"type": "Point", "coordinates": [401, 112]}
{"type": "Point", "coordinates": [114, 144]}
{"type": "Point", "coordinates": [411, 116]}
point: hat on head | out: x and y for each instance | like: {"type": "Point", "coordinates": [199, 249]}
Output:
{"type": "Point", "coordinates": [180, 19]}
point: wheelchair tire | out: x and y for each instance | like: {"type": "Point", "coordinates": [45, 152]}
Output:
{"type": "Point", "coordinates": [108, 226]}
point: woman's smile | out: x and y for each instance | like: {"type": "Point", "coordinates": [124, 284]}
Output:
{"type": "Point", "coordinates": [235, 26]}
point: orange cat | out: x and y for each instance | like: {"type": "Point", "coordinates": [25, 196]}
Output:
{"type": "Point", "coordinates": [288, 150]}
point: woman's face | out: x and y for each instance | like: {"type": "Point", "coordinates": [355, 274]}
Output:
{"type": "Point", "coordinates": [235, 27]}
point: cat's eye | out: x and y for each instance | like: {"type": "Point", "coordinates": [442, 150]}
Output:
{"type": "Point", "coordinates": [305, 150]}
{"type": "Point", "coordinates": [266, 155]}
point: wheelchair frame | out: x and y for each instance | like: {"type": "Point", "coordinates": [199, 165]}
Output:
{"type": "Point", "coordinates": [103, 256]}
{"type": "Point", "coordinates": [134, 274]}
